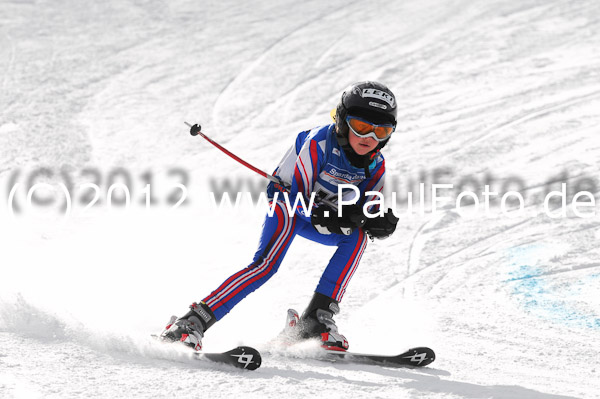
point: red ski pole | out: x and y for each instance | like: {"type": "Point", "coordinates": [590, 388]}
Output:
{"type": "Point", "coordinates": [195, 131]}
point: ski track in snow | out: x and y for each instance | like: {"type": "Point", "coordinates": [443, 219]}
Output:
{"type": "Point", "coordinates": [510, 305]}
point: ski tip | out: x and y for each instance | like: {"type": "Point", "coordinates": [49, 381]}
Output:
{"type": "Point", "coordinates": [245, 357]}
{"type": "Point", "coordinates": [419, 357]}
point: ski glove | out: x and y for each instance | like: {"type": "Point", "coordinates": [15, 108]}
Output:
{"type": "Point", "coordinates": [382, 226]}
{"type": "Point", "coordinates": [352, 218]}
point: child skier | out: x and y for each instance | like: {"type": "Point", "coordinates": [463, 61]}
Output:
{"type": "Point", "coordinates": [346, 152]}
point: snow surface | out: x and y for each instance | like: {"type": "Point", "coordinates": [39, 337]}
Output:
{"type": "Point", "coordinates": [511, 305]}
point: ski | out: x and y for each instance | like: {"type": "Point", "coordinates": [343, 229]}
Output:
{"type": "Point", "coordinates": [414, 357]}
{"type": "Point", "coordinates": [242, 357]}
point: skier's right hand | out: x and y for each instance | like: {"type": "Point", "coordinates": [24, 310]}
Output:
{"type": "Point", "coordinates": [352, 218]}
{"type": "Point", "coordinates": [383, 226]}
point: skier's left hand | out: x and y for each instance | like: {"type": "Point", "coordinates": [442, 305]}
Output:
{"type": "Point", "coordinates": [351, 219]}
{"type": "Point", "coordinates": [382, 226]}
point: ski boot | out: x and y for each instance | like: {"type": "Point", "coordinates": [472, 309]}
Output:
{"type": "Point", "coordinates": [317, 322]}
{"type": "Point", "coordinates": [189, 329]}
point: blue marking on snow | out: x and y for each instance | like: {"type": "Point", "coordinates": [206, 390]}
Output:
{"type": "Point", "coordinates": [540, 298]}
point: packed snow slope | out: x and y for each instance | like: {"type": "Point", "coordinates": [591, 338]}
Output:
{"type": "Point", "coordinates": [499, 92]}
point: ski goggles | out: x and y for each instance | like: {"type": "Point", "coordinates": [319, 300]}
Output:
{"type": "Point", "coordinates": [362, 128]}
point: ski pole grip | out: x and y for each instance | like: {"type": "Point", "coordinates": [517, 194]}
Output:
{"type": "Point", "coordinates": [358, 219]}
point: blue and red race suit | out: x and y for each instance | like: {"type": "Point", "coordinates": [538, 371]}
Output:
{"type": "Point", "coordinates": [314, 164]}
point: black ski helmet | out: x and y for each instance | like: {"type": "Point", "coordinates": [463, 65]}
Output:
{"type": "Point", "coordinates": [369, 100]}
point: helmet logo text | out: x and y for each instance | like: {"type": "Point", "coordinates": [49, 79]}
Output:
{"type": "Point", "coordinates": [377, 105]}
{"type": "Point", "coordinates": [380, 95]}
